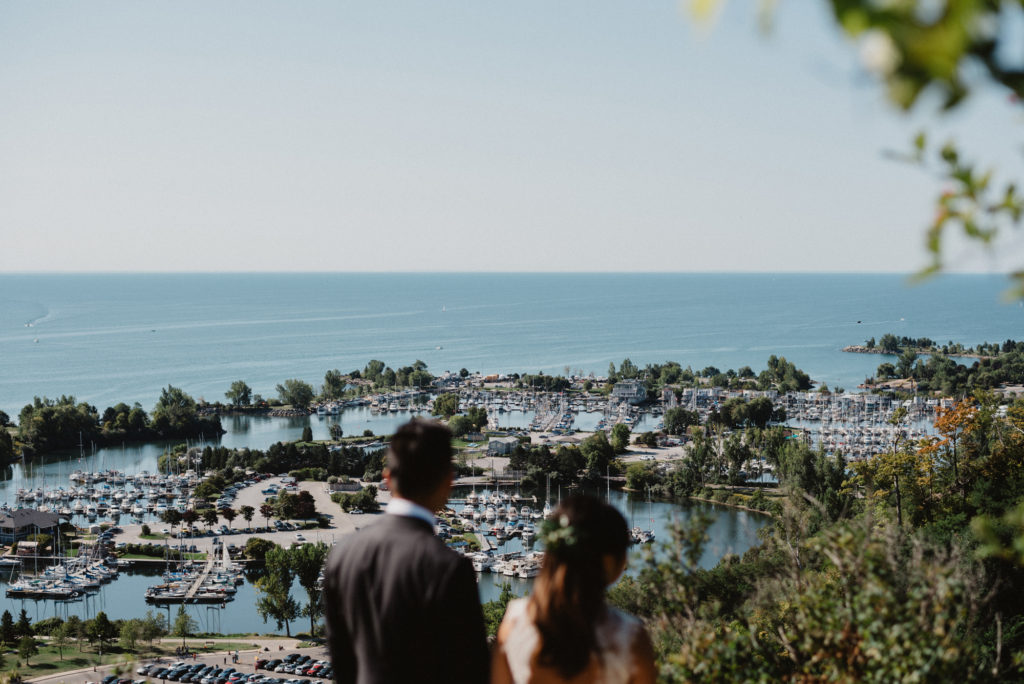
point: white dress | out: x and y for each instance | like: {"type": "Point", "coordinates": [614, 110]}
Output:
{"type": "Point", "coordinates": [615, 638]}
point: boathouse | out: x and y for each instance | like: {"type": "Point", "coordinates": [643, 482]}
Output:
{"type": "Point", "coordinates": [19, 524]}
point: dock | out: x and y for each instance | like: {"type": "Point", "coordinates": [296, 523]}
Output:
{"type": "Point", "coordinates": [198, 584]}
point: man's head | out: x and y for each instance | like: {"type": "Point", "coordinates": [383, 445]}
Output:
{"type": "Point", "coordinates": [420, 462]}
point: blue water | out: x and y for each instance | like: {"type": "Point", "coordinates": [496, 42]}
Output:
{"type": "Point", "coordinates": [110, 338]}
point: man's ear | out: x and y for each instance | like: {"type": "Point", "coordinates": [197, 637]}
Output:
{"type": "Point", "coordinates": [387, 478]}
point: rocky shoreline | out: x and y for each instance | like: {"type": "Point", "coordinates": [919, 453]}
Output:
{"type": "Point", "coordinates": [861, 349]}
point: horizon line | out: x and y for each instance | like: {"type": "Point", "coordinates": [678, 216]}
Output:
{"type": "Point", "coordinates": [909, 274]}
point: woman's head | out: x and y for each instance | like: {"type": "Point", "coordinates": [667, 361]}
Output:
{"type": "Point", "coordinates": [585, 550]}
{"type": "Point", "coordinates": [585, 531]}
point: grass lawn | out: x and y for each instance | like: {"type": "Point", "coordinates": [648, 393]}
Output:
{"type": "Point", "coordinates": [48, 660]}
{"type": "Point", "coordinates": [156, 535]}
{"type": "Point", "coordinates": [140, 556]}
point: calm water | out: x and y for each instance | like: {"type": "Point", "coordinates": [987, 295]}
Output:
{"type": "Point", "coordinates": [113, 338]}
{"type": "Point", "coordinates": [110, 338]}
{"type": "Point", "coordinates": [733, 531]}
{"type": "Point", "coordinates": [123, 598]}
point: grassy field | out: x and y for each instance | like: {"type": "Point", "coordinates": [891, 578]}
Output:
{"type": "Point", "coordinates": [139, 556]}
{"type": "Point", "coordinates": [49, 661]}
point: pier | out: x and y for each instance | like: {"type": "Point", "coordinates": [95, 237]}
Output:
{"type": "Point", "coordinates": [197, 585]}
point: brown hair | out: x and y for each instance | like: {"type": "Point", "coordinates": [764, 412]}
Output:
{"type": "Point", "coordinates": [420, 457]}
{"type": "Point", "coordinates": [568, 596]}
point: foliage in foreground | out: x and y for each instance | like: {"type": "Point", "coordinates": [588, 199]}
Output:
{"type": "Point", "coordinates": [908, 568]}
{"type": "Point", "coordinates": [855, 603]}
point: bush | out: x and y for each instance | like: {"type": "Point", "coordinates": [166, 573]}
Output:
{"type": "Point", "coordinates": [146, 531]}
{"type": "Point", "coordinates": [47, 625]}
{"type": "Point", "coordinates": [365, 499]}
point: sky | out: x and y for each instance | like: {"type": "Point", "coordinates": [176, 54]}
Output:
{"type": "Point", "coordinates": [460, 136]}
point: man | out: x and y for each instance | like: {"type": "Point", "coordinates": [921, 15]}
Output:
{"type": "Point", "coordinates": [400, 606]}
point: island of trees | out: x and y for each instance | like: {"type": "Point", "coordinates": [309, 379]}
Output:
{"type": "Point", "coordinates": [922, 366]}
{"type": "Point", "coordinates": [50, 424]}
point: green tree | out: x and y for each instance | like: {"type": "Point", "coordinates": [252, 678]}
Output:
{"type": "Point", "coordinates": [296, 393]}
{"type": "Point", "coordinates": [27, 648]}
{"type": "Point", "coordinates": [247, 513]}
{"type": "Point", "coordinates": [446, 405]}
{"type": "Point", "coordinates": [494, 611]}
{"type": "Point", "coordinates": [373, 370]}
{"type": "Point", "coordinates": [477, 415]}
{"type": "Point", "coordinates": [6, 447]}
{"type": "Point", "coordinates": [239, 394]}
{"type": "Point", "coordinates": [76, 629]}
{"type": "Point", "coordinates": [307, 434]}
{"type": "Point", "coordinates": [274, 601]}
{"type": "Point", "coordinates": [620, 438]}
{"type": "Point", "coordinates": [678, 419]}
{"type": "Point", "coordinates": [228, 514]}
{"type": "Point", "coordinates": [267, 511]}
{"type": "Point", "coordinates": [597, 454]}
{"type": "Point", "coordinates": [24, 626]}
{"type": "Point", "coordinates": [257, 547]}
{"type": "Point", "coordinates": [174, 411]}
{"type": "Point", "coordinates": [100, 630]}
{"type": "Point", "coordinates": [129, 635]}
{"type": "Point", "coordinates": [209, 516]}
{"type": "Point", "coordinates": [641, 476]}
{"type": "Point", "coordinates": [172, 516]}
{"type": "Point", "coordinates": [334, 385]}
{"type": "Point", "coordinates": [183, 625]}
{"type": "Point", "coordinates": [460, 425]}
{"type": "Point", "coordinates": [60, 638]}
{"type": "Point", "coordinates": [190, 517]}
{"type": "Point", "coordinates": [336, 431]}
{"type": "Point", "coordinates": [153, 625]}
{"type": "Point", "coordinates": [308, 560]}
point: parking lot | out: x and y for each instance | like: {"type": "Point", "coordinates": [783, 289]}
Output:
{"type": "Point", "coordinates": [263, 666]}
{"type": "Point", "coordinates": [239, 532]}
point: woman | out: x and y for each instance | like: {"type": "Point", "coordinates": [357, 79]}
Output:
{"type": "Point", "coordinates": [565, 632]}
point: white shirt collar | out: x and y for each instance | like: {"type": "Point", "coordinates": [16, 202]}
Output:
{"type": "Point", "coordinates": [399, 506]}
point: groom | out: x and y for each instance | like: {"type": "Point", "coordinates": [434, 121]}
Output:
{"type": "Point", "coordinates": [400, 606]}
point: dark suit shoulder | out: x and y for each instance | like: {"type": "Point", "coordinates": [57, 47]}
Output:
{"type": "Point", "coordinates": [391, 539]}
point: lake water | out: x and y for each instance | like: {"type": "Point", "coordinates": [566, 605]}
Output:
{"type": "Point", "coordinates": [111, 338]}
{"type": "Point", "coordinates": [733, 531]}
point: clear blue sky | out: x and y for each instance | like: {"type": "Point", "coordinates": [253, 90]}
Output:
{"type": "Point", "coordinates": [531, 135]}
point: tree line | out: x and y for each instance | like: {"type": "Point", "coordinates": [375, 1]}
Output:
{"type": "Point", "coordinates": [894, 345]}
{"type": "Point", "coordinates": [943, 375]}
{"type": "Point", "coordinates": [48, 424]}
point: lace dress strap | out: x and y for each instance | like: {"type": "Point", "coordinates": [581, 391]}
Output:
{"type": "Point", "coordinates": [615, 637]}
{"type": "Point", "coordinates": [521, 640]}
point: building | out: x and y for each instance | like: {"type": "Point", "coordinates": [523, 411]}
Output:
{"type": "Point", "coordinates": [632, 391]}
{"type": "Point", "coordinates": [19, 524]}
{"type": "Point", "coordinates": [500, 446]}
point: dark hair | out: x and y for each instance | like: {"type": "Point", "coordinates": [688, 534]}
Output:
{"type": "Point", "coordinates": [420, 457]}
{"type": "Point", "coordinates": [568, 596]}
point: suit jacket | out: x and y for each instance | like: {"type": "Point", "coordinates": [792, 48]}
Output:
{"type": "Point", "coordinates": [401, 607]}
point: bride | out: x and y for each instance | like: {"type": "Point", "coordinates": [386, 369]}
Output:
{"type": "Point", "coordinates": [565, 632]}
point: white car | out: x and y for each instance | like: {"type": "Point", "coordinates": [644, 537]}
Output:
{"type": "Point", "coordinates": [299, 537]}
